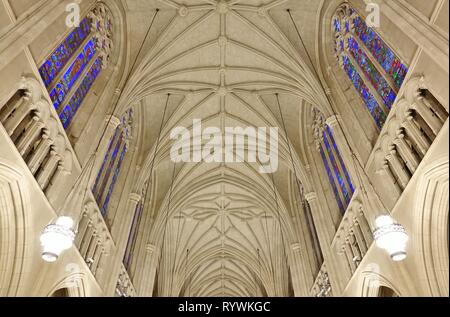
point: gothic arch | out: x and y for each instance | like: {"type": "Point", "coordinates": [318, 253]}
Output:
{"type": "Point", "coordinates": [73, 286]}
{"type": "Point", "coordinates": [431, 214]}
{"type": "Point", "coordinates": [13, 224]}
{"type": "Point", "coordinates": [372, 282]}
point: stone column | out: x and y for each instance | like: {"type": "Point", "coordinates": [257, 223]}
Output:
{"type": "Point", "coordinates": [417, 137]}
{"type": "Point", "coordinates": [149, 271]}
{"type": "Point", "coordinates": [299, 280]}
{"type": "Point", "coordinates": [13, 104]}
{"type": "Point", "coordinates": [406, 152]}
{"type": "Point", "coordinates": [365, 228]}
{"type": "Point", "coordinates": [325, 231]}
{"type": "Point", "coordinates": [87, 240]}
{"type": "Point", "coordinates": [97, 260]}
{"type": "Point", "coordinates": [428, 116]}
{"type": "Point", "coordinates": [82, 226]}
{"type": "Point", "coordinates": [92, 246]}
{"type": "Point", "coordinates": [357, 256]}
{"type": "Point", "coordinates": [30, 136]}
{"type": "Point", "coordinates": [386, 174]}
{"type": "Point", "coordinates": [398, 168]}
{"type": "Point", "coordinates": [122, 240]}
{"type": "Point", "coordinates": [14, 120]}
{"type": "Point", "coordinates": [100, 270]}
{"type": "Point", "coordinates": [48, 169]}
{"type": "Point", "coordinates": [39, 154]}
{"type": "Point", "coordinates": [356, 231]}
{"type": "Point", "coordinates": [343, 258]}
{"type": "Point", "coordinates": [349, 254]}
{"type": "Point", "coordinates": [95, 256]}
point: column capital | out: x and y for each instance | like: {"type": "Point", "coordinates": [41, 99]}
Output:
{"type": "Point", "coordinates": [150, 248]}
{"type": "Point", "coordinates": [113, 121]}
{"type": "Point", "coordinates": [311, 196]}
{"type": "Point", "coordinates": [333, 121]}
{"type": "Point", "coordinates": [135, 197]}
{"type": "Point", "coordinates": [296, 247]}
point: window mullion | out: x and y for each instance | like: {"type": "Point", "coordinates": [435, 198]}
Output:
{"type": "Point", "coordinates": [77, 84]}
{"type": "Point", "coordinates": [374, 61]}
{"type": "Point", "coordinates": [106, 172]}
{"type": "Point", "coordinates": [368, 84]}
{"type": "Point", "coordinates": [335, 183]}
{"type": "Point", "coordinates": [109, 185]}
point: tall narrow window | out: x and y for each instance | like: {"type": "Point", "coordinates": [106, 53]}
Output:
{"type": "Point", "coordinates": [109, 172]}
{"type": "Point", "coordinates": [337, 173]}
{"type": "Point", "coordinates": [72, 68]}
{"type": "Point", "coordinates": [371, 65]}
{"type": "Point", "coordinates": [132, 237]}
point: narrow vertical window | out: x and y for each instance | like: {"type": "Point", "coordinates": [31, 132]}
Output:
{"type": "Point", "coordinates": [375, 71]}
{"type": "Point", "coordinates": [338, 176]}
{"type": "Point", "coordinates": [108, 174]}
{"type": "Point", "coordinates": [72, 68]}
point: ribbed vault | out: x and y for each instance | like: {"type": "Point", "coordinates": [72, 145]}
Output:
{"type": "Point", "coordinates": [222, 229]}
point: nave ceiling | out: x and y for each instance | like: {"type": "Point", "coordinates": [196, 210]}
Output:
{"type": "Point", "coordinates": [230, 64]}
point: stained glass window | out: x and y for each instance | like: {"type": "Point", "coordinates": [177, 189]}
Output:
{"type": "Point", "coordinates": [336, 170]}
{"type": "Point", "coordinates": [109, 172]}
{"type": "Point", "coordinates": [105, 160]}
{"type": "Point", "coordinates": [331, 179]}
{"type": "Point", "coordinates": [72, 107]}
{"type": "Point", "coordinates": [72, 68]}
{"type": "Point", "coordinates": [58, 59]}
{"type": "Point", "coordinates": [115, 177]}
{"type": "Point", "coordinates": [372, 105]}
{"type": "Point", "coordinates": [372, 74]}
{"type": "Point", "coordinates": [63, 86]}
{"type": "Point", "coordinates": [383, 54]}
{"type": "Point", "coordinates": [372, 67]}
{"type": "Point", "coordinates": [339, 156]}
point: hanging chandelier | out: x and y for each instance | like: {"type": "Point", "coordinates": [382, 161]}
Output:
{"type": "Point", "coordinates": [56, 238]}
{"type": "Point", "coordinates": [391, 237]}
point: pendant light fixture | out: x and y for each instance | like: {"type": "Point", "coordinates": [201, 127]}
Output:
{"type": "Point", "coordinates": [391, 237]}
{"type": "Point", "coordinates": [59, 235]}
{"type": "Point", "coordinates": [388, 234]}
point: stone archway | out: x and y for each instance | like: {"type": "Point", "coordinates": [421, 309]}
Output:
{"type": "Point", "coordinates": [431, 213]}
{"type": "Point", "coordinates": [12, 233]}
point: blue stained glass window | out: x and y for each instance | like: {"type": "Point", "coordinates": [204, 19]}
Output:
{"type": "Point", "coordinates": [113, 181]}
{"type": "Point", "coordinates": [374, 108]}
{"type": "Point", "coordinates": [69, 111]}
{"type": "Point", "coordinates": [331, 180]}
{"type": "Point", "coordinates": [59, 92]}
{"type": "Point", "coordinates": [341, 161]}
{"type": "Point", "coordinates": [382, 53]}
{"type": "Point", "coordinates": [108, 170]}
{"type": "Point", "coordinates": [337, 25]}
{"type": "Point", "coordinates": [58, 59]}
{"type": "Point", "coordinates": [372, 74]}
{"type": "Point", "coordinates": [105, 160]}
{"type": "Point", "coordinates": [337, 173]}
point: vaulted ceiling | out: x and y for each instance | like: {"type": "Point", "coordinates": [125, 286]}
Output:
{"type": "Point", "coordinates": [223, 227]}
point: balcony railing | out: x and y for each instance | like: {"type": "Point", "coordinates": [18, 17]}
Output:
{"type": "Point", "coordinates": [35, 129]}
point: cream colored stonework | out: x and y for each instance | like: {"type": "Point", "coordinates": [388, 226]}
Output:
{"type": "Point", "coordinates": [224, 229]}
